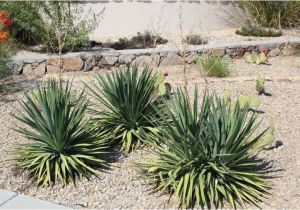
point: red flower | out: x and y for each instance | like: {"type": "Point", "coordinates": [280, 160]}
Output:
{"type": "Point", "coordinates": [3, 15]}
{"type": "Point", "coordinates": [7, 21]}
{"type": "Point", "coordinates": [3, 36]}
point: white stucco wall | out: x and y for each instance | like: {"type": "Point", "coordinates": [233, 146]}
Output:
{"type": "Point", "coordinates": [127, 17]}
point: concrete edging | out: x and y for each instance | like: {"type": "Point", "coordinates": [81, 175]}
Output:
{"type": "Point", "coordinates": [13, 200]}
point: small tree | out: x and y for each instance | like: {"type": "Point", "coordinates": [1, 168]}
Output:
{"type": "Point", "coordinates": [65, 27]}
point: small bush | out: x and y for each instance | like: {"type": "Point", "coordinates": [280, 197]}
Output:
{"type": "Point", "coordinates": [36, 23]}
{"type": "Point", "coordinates": [195, 39]}
{"type": "Point", "coordinates": [140, 41]}
{"type": "Point", "coordinates": [276, 14]}
{"type": "Point", "coordinates": [214, 66]}
{"type": "Point", "coordinates": [28, 27]}
{"type": "Point", "coordinates": [208, 154]}
{"type": "Point", "coordinates": [259, 32]}
{"type": "Point", "coordinates": [6, 44]}
{"type": "Point", "coordinates": [129, 103]}
{"type": "Point", "coordinates": [62, 145]}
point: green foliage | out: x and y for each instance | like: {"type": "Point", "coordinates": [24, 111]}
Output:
{"type": "Point", "coordinates": [256, 58]}
{"type": "Point", "coordinates": [208, 154]}
{"type": "Point", "coordinates": [260, 85]}
{"type": "Point", "coordinates": [3, 70]}
{"type": "Point", "coordinates": [214, 66]}
{"type": "Point", "coordinates": [129, 103]}
{"type": "Point", "coordinates": [195, 39]}
{"type": "Point", "coordinates": [28, 27]}
{"type": "Point", "coordinates": [259, 32]}
{"type": "Point", "coordinates": [274, 13]}
{"type": "Point", "coordinates": [63, 146]}
{"type": "Point", "coordinates": [51, 23]}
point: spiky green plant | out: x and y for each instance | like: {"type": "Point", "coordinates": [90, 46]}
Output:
{"type": "Point", "coordinates": [63, 146]}
{"type": "Point", "coordinates": [214, 66]}
{"type": "Point", "coordinates": [129, 104]}
{"type": "Point", "coordinates": [208, 155]}
{"type": "Point", "coordinates": [260, 84]}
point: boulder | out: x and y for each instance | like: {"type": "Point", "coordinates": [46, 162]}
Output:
{"type": "Point", "coordinates": [126, 59]}
{"type": "Point", "coordinates": [143, 60]}
{"type": "Point", "coordinates": [15, 68]}
{"type": "Point", "coordinates": [275, 52]}
{"type": "Point", "coordinates": [40, 69]}
{"type": "Point", "coordinates": [288, 50]}
{"type": "Point", "coordinates": [53, 61]}
{"type": "Point", "coordinates": [172, 59]}
{"type": "Point", "coordinates": [108, 60]}
{"type": "Point", "coordinates": [90, 63]}
{"type": "Point", "coordinates": [218, 52]}
{"type": "Point", "coordinates": [73, 64]}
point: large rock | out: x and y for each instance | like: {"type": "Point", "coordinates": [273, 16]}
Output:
{"type": "Point", "coordinates": [53, 61]}
{"type": "Point", "coordinates": [27, 70]}
{"type": "Point", "coordinates": [37, 70]}
{"type": "Point", "coordinates": [90, 63]}
{"type": "Point", "coordinates": [218, 52]}
{"type": "Point", "coordinates": [15, 68]}
{"type": "Point", "coordinates": [146, 60]}
{"type": "Point", "coordinates": [126, 59]}
{"type": "Point", "coordinates": [288, 50]}
{"type": "Point", "coordinates": [172, 59]}
{"type": "Point", "coordinates": [73, 64]}
{"type": "Point", "coordinates": [108, 60]}
{"type": "Point", "coordinates": [40, 69]}
{"type": "Point", "coordinates": [275, 52]}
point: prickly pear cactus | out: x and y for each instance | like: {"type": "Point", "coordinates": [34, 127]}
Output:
{"type": "Point", "coordinates": [162, 88]}
{"type": "Point", "coordinates": [256, 58]}
{"type": "Point", "coordinates": [251, 101]}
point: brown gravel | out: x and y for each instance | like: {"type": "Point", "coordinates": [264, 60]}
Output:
{"type": "Point", "coordinates": [122, 187]}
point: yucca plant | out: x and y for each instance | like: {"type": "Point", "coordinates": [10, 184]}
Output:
{"type": "Point", "coordinates": [63, 146]}
{"type": "Point", "coordinates": [208, 155]}
{"type": "Point", "coordinates": [129, 102]}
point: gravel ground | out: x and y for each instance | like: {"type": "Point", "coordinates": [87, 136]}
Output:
{"type": "Point", "coordinates": [122, 186]}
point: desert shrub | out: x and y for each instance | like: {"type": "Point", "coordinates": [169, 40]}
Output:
{"type": "Point", "coordinates": [51, 23]}
{"type": "Point", "coordinates": [6, 44]}
{"type": "Point", "coordinates": [63, 146]}
{"type": "Point", "coordinates": [195, 39]}
{"type": "Point", "coordinates": [129, 103]}
{"type": "Point", "coordinates": [208, 154]}
{"type": "Point", "coordinates": [259, 32]}
{"type": "Point", "coordinates": [28, 27]}
{"type": "Point", "coordinates": [214, 66]}
{"type": "Point", "coordinates": [274, 13]}
{"type": "Point", "coordinates": [140, 41]}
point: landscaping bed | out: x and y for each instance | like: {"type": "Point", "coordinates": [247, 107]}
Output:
{"type": "Point", "coordinates": [123, 187]}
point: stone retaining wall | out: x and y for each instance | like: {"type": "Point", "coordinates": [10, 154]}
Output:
{"type": "Point", "coordinates": [105, 60]}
